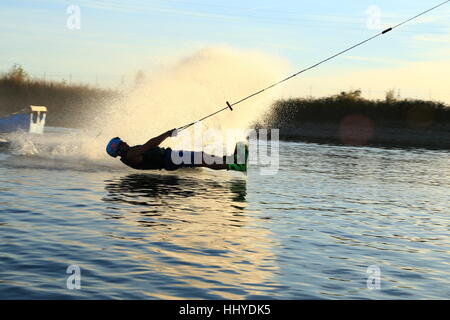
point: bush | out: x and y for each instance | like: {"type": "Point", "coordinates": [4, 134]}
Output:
{"type": "Point", "coordinates": [68, 105]}
{"type": "Point", "coordinates": [332, 109]}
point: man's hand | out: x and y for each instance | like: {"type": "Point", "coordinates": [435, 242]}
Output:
{"type": "Point", "coordinates": [173, 132]}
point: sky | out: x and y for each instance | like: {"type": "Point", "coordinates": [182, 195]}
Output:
{"type": "Point", "coordinates": [112, 40]}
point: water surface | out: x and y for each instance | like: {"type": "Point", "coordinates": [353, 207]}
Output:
{"type": "Point", "coordinates": [308, 232]}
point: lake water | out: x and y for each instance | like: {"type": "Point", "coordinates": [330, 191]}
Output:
{"type": "Point", "coordinates": [309, 232]}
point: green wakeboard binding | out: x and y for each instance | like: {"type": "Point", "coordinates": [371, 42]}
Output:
{"type": "Point", "coordinates": [240, 158]}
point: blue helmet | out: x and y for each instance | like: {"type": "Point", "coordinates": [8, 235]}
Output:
{"type": "Point", "coordinates": [113, 147]}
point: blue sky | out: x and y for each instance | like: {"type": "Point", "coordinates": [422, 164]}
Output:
{"type": "Point", "coordinates": [121, 37]}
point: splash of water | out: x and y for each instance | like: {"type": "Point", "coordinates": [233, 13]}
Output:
{"type": "Point", "coordinates": [191, 88]}
{"type": "Point", "coordinates": [176, 94]}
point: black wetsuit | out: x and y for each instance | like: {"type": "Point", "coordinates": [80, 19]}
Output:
{"type": "Point", "coordinates": [153, 159]}
{"type": "Point", "coordinates": [161, 158]}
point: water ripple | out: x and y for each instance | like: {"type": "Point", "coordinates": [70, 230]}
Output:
{"type": "Point", "coordinates": [309, 232]}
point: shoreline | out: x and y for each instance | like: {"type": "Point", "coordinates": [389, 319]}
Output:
{"type": "Point", "coordinates": [382, 136]}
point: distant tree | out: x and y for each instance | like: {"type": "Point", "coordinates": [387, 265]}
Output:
{"type": "Point", "coordinates": [390, 96]}
{"type": "Point", "coordinates": [350, 95]}
{"type": "Point", "coordinates": [17, 74]}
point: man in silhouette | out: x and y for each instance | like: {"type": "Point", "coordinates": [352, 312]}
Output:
{"type": "Point", "coordinates": [150, 156]}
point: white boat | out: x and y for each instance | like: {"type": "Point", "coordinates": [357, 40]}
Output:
{"type": "Point", "coordinates": [31, 120]}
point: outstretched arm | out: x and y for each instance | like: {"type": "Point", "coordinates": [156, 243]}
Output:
{"type": "Point", "coordinates": [156, 141]}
